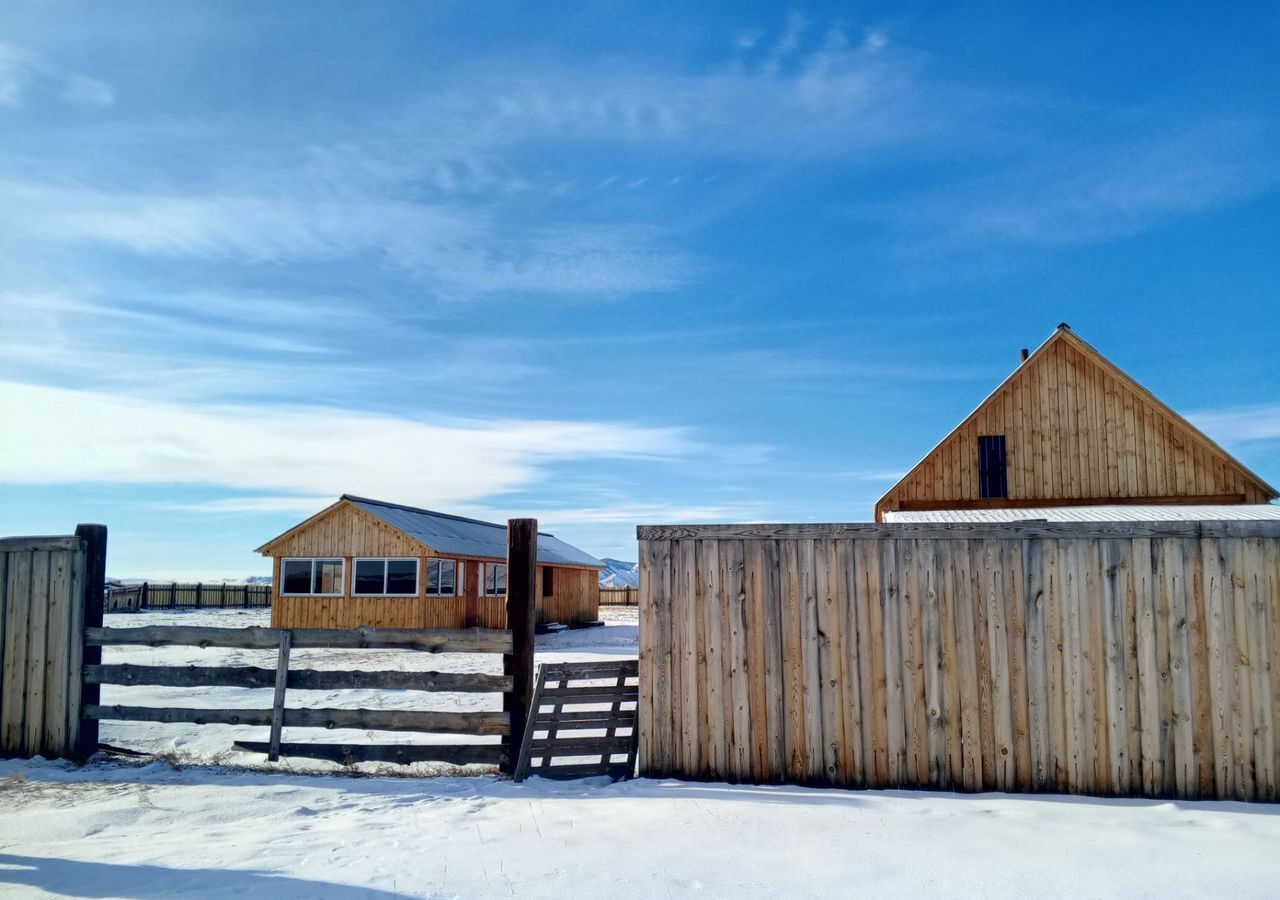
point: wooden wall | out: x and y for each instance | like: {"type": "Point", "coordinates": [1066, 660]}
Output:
{"type": "Point", "coordinates": [42, 596]}
{"type": "Point", "coordinates": [1077, 428]}
{"type": "Point", "coordinates": [348, 532]}
{"type": "Point", "coordinates": [1123, 659]}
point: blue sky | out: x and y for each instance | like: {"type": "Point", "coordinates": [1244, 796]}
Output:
{"type": "Point", "coordinates": [607, 266]}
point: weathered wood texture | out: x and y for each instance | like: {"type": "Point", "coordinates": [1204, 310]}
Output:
{"type": "Point", "coordinates": [1077, 428]}
{"type": "Point", "coordinates": [994, 659]}
{"type": "Point", "coordinates": [42, 601]}
{"type": "Point", "coordinates": [347, 532]}
{"type": "Point", "coordinates": [432, 640]}
{"type": "Point", "coordinates": [403, 754]}
{"type": "Point", "coordinates": [582, 721]}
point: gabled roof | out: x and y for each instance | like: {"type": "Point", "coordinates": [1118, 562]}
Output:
{"type": "Point", "coordinates": [451, 535]}
{"type": "Point", "coordinates": [1064, 333]}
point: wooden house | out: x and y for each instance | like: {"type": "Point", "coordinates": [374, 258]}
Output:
{"type": "Point", "coordinates": [366, 562]}
{"type": "Point", "coordinates": [1070, 429]}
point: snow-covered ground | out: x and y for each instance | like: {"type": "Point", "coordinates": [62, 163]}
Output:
{"type": "Point", "coordinates": [244, 828]}
{"type": "Point", "coordinates": [152, 831]}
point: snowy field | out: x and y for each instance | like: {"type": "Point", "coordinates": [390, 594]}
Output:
{"type": "Point", "coordinates": [226, 824]}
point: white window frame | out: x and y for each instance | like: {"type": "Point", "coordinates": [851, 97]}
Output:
{"type": "Point", "coordinates": [342, 580]}
{"type": "Point", "coordinates": [457, 577]}
{"type": "Point", "coordinates": [484, 580]}
{"type": "Point", "coordinates": [417, 574]}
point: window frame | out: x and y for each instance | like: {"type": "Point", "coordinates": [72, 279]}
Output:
{"type": "Point", "coordinates": [342, 580]}
{"type": "Point", "coordinates": [458, 589]}
{"type": "Point", "coordinates": [417, 574]}
{"type": "Point", "coordinates": [484, 580]}
{"type": "Point", "coordinates": [993, 467]}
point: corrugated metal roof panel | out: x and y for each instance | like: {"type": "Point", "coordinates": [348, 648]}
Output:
{"type": "Point", "coordinates": [456, 535]}
{"type": "Point", "coordinates": [1111, 513]}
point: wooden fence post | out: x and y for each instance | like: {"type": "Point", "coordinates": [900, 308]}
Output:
{"type": "Point", "coordinates": [277, 705]}
{"type": "Point", "coordinates": [143, 603]}
{"type": "Point", "coordinates": [95, 577]}
{"type": "Point", "coordinates": [522, 574]}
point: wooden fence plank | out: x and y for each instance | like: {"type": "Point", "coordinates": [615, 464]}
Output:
{"type": "Point", "coordinates": [61, 637]}
{"type": "Point", "coordinates": [403, 754]}
{"type": "Point", "coordinates": [37, 649]}
{"type": "Point", "coordinates": [17, 617]}
{"type": "Point", "coordinates": [431, 640]}
{"type": "Point", "coordinates": [479, 723]}
{"type": "Point", "coordinates": [277, 705]}
{"type": "Point", "coordinates": [298, 679]}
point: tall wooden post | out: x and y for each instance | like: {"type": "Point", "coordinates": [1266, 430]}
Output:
{"type": "Point", "coordinates": [95, 579]}
{"type": "Point", "coordinates": [522, 574]}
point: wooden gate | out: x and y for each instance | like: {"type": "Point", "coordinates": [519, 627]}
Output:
{"type": "Point", "coordinates": [601, 697]}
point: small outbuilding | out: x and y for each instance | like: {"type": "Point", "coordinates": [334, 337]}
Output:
{"type": "Point", "coordinates": [367, 562]}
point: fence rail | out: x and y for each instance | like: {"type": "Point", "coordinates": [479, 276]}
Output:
{"type": "Point", "coordinates": [619, 596]}
{"type": "Point", "coordinates": [178, 595]}
{"type": "Point", "coordinates": [1126, 659]}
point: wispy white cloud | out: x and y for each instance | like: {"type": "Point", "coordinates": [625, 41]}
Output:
{"type": "Point", "coordinates": [91, 436]}
{"type": "Point", "coordinates": [24, 74]}
{"type": "Point", "coordinates": [464, 253]}
{"type": "Point", "coordinates": [1072, 195]}
{"type": "Point", "coordinates": [1241, 424]}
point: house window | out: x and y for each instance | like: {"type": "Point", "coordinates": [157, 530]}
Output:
{"type": "Point", "coordinates": [992, 479]}
{"type": "Point", "coordinates": [444, 577]}
{"type": "Point", "coordinates": [547, 589]}
{"type": "Point", "coordinates": [312, 577]}
{"type": "Point", "coordinates": [495, 579]}
{"type": "Point", "coordinates": [385, 578]}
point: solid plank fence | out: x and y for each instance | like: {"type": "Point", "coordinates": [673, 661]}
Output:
{"type": "Point", "coordinates": [179, 595]}
{"type": "Point", "coordinates": [1114, 658]}
{"type": "Point", "coordinates": [48, 587]}
{"type": "Point", "coordinates": [619, 596]}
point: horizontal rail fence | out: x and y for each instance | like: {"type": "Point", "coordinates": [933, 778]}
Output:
{"type": "Point", "coordinates": [178, 595]}
{"type": "Point", "coordinates": [1098, 658]}
{"type": "Point", "coordinates": [282, 678]}
{"type": "Point", "coordinates": [619, 596]}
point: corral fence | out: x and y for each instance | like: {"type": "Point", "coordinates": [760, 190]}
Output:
{"type": "Point", "coordinates": [1135, 658]}
{"type": "Point", "coordinates": [619, 596]}
{"type": "Point", "coordinates": [178, 595]}
{"type": "Point", "coordinates": [51, 635]}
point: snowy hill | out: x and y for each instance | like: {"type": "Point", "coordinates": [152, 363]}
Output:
{"type": "Point", "coordinates": [619, 574]}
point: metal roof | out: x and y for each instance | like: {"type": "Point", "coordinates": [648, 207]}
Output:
{"type": "Point", "coordinates": [1109, 513]}
{"type": "Point", "coordinates": [459, 536]}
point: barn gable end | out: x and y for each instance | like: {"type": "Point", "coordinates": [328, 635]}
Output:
{"type": "Point", "coordinates": [1073, 429]}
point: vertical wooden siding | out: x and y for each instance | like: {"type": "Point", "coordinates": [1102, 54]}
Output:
{"type": "Point", "coordinates": [1119, 661]}
{"type": "Point", "coordinates": [1076, 428]}
{"type": "Point", "coordinates": [41, 617]}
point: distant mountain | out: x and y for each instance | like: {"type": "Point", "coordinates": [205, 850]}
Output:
{"type": "Point", "coordinates": [619, 574]}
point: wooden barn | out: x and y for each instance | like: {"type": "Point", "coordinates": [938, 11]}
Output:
{"type": "Point", "coordinates": [1070, 429]}
{"type": "Point", "coordinates": [366, 562]}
